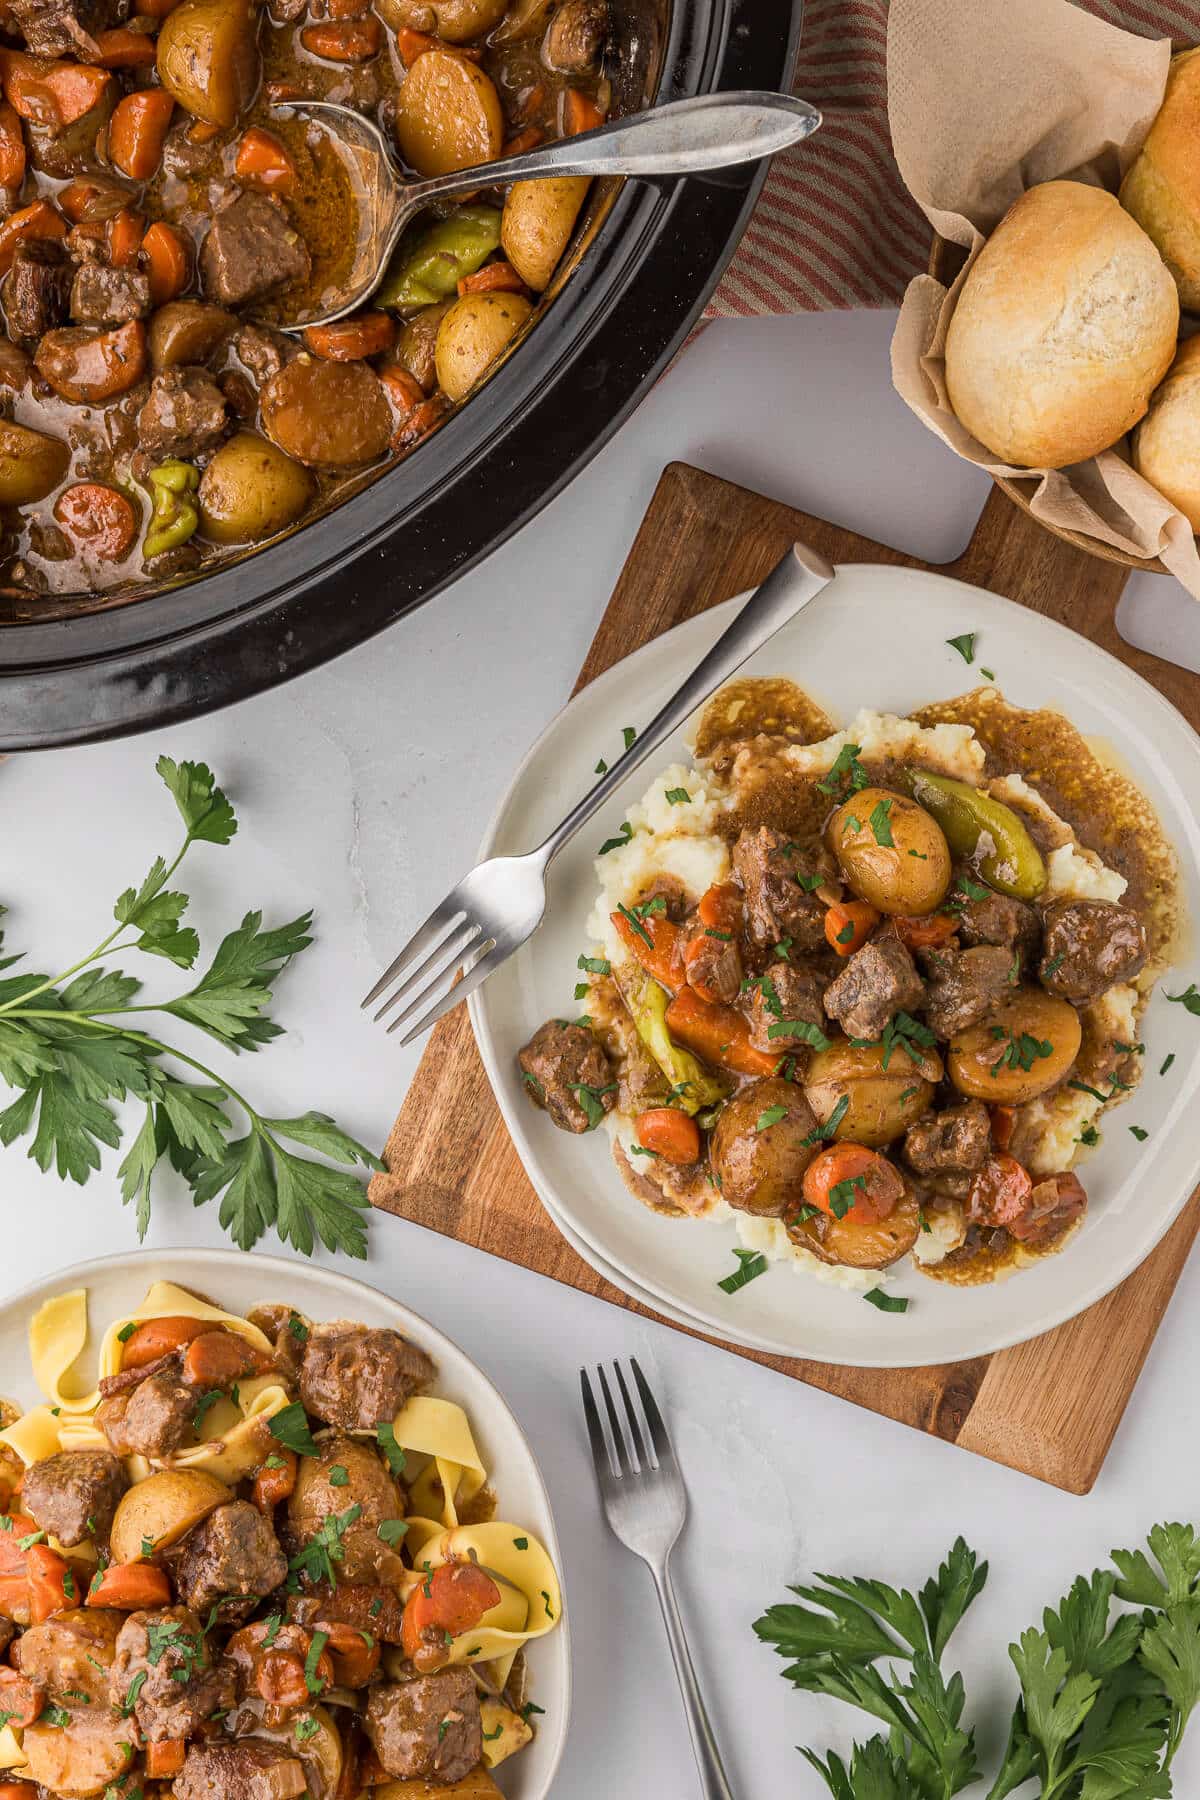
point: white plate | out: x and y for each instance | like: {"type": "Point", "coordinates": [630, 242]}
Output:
{"type": "Point", "coordinates": [233, 1280]}
{"type": "Point", "coordinates": [876, 638]}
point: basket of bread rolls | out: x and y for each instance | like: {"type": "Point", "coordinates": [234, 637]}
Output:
{"type": "Point", "coordinates": [1055, 339]}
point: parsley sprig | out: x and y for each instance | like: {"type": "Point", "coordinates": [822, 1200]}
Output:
{"type": "Point", "coordinates": [71, 1045]}
{"type": "Point", "coordinates": [1104, 1700]}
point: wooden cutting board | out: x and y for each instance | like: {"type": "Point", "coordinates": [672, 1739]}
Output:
{"type": "Point", "coordinates": [1049, 1407]}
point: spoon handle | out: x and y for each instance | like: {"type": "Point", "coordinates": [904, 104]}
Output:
{"type": "Point", "coordinates": [685, 137]}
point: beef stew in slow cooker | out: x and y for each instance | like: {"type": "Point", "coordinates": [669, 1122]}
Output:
{"type": "Point", "coordinates": [160, 218]}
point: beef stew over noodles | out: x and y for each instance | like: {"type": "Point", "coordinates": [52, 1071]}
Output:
{"type": "Point", "coordinates": [159, 217]}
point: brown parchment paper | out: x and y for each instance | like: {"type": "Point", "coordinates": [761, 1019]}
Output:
{"type": "Point", "coordinates": [986, 99]}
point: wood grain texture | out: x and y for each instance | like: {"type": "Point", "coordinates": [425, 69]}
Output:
{"type": "Point", "coordinates": [1049, 1407]}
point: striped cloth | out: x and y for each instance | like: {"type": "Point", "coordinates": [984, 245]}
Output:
{"type": "Point", "coordinates": [834, 225]}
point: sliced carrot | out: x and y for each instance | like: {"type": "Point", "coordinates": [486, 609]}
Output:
{"type": "Point", "coordinates": [17, 1790]}
{"type": "Point", "coordinates": [217, 1358]}
{"type": "Point", "coordinates": [123, 237]}
{"type": "Point", "coordinates": [122, 48]}
{"type": "Point", "coordinates": [493, 278]}
{"type": "Point", "coordinates": [419, 422]}
{"type": "Point", "coordinates": [654, 940]}
{"type": "Point", "coordinates": [154, 9]}
{"type": "Point", "coordinates": [346, 9]}
{"type": "Point", "coordinates": [350, 41]}
{"type": "Point", "coordinates": [1004, 1119]}
{"type": "Point", "coordinates": [529, 101]}
{"type": "Point", "coordinates": [999, 1192]}
{"type": "Point", "coordinates": [848, 925]}
{"type": "Point", "coordinates": [529, 139]}
{"type": "Point", "coordinates": [717, 1034]}
{"type": "Point", "coordinates": [279, 1679]}
{"type": "Point", "coordinates": [720, 906]}
{"type": "Point", "coordinates": [12, 1557]}
{"type": "Point", "coordinates": [49, 92]}
{"type": "Point", "coordinates": [79, 197]}
{"type": "Point", "coordinates": [158, 1337]}
{"type": "Point", "coordinates": [165, 1758]}
{"type": "Point", "coordinates": [98, 518]}
{"type": "Point", "coordinates": [264, 161]}
{"type": "Point", "coordinates": [12, 147]}
{"type": "Point", "coordinates": [203, 131]}
{"type": "Point", "coordinates": [354, 1660]}
{"type": "Point", "coordinates": [579, 113]}
{"type": "Point", "coordinates": [410, 44]}
{"type": "Point", "coordinates": [21, 1700]}
{"type": "Point", "coordinates": [285, 90]}
{"type": "Point", "coordinates": [168, 263]}
{"type": "Point", "coordinates": [851, 1175]}
{"type": "Point", "coordinates": [49, 1591]}
{"type": "Point", "coordinates": [130, 1586]}
{"type": "Point", "coordinates": [670, 1133]}
{"type": "Point", "coordinates": [404, 390]}
{"type": "Point", "coordinates": [14, 1598]}
{"type": "Point", "coordinates": [273, 1486]}
{"type": "Point", "coordinates": [137, 131]}
{"type": "Point", "coordinates": [39, 220]}
{"type": "Point", "coordinates": [350, 340]}
{"type": "Point", "coordinates": [453, 1600]}
{"type": "Point", "coordinates": [921, 932]}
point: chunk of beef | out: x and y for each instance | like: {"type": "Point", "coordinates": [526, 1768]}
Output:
{"type": "Point", "coordinates": [182, 154]}
{"type": "Point", "coordinates": [556, 1063]}
{"type": "Point", "coordinates": [428, 1729]}
{"type": "Point", "coordinates": [714, 965]}
{"type": "Point", "coordinates": [104, 296]}
{"type": "Point", "coordinates": [126, 1379]}
{"type": "Point", "coordinates": [998, 919]}
{"type": "Point", "coordinates": [877, 982]}
{"type": "Point", "coordinates": [74, 1495]}
{"type": "Point", "coordinates": [179, 1687]}
{"type": "Point", "coordinates": [360, 1604]}
{"type": "Point", "coordinates": [184, 413]}
{"type": "Point", "coordinates": [63, 27]}
{"type": "Point", "coordinates": [1034, 1216]}
{"type": "Point", "coordinates": [264, 352]}
{"type": "Point", "coordinates": [355, 1378]}
{"type": "Point", "coordinates": [8, 1632]}
{"type": "Point", "coordinates": [1089, 945]}
{"type": "Point", "coordinates": [71, 1652]}
{"type": "Point", "coordinates": [153, 1419]}
{"type": "Point", "coordinates": [787, 993]}
{"type": "Point", "coordinates": [575, 36]}
{"type": "Point", "coordinates": [233, 1555]}
{"type": "Point", "coordinates": [964, 986]}
{"type": "Point", "coordinates": [955, 1142]}
{"type": "Point", "coordinates": [783, 883]}
{"type": "Point", "coordinates": [37, 289]}
{"type": "Point", "coordinates": [251, 1769]}
{"type": "Point", "coordinates": [250, 249]}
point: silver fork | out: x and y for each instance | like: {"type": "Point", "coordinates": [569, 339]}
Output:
{"type": "Point", "coordinates": [499, 905]}
{"type": "Point", "coordinates": [645, 1503]}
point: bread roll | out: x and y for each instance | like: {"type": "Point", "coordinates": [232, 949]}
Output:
{"type": "Point", "coordinates": [1064, 327]}
{"type": "Point", "coordinates": [1162, 187]}
{"type": "Point", "coordinates": [1166, 445]}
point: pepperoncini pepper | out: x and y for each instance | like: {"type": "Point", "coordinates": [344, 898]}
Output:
{"type": "Point", "coordinates": [431, 267]}
{"type": "Point", "coordinates": [175, 515]}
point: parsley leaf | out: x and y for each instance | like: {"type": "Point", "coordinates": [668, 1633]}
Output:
{"type": "Point", "coordinates": [290, 1427]}
{"type": "Point", "coordinates": [385, 1434]}
{"type": "Point", "coordinates": [325, 1548]}
{"type": "Point", "coordinates": [965, 645]}
{"type": "Point", "coordinates": [1189, 999]}
{"type": "Point", "coordinates": [751, 1264]}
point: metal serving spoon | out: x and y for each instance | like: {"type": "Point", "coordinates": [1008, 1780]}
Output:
{"type": "Point", "coordinates": [684, 137]}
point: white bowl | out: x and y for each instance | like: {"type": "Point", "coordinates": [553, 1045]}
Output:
{"type": "Point", "coordinates": [236, 1281]}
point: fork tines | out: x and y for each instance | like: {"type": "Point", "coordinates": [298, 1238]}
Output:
{"type": "Point", "coordinates": [624, 1451]}
{"type": "Point", "coordinates": [452, 940]}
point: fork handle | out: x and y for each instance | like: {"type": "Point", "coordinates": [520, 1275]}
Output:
{"type": "Point", "coordinates": [790, 585]}
{"type": "Point", "coordinates": [714, 1784]}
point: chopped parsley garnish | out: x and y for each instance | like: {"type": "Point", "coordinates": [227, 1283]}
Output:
{"type": "Point", "coordinates": [1190, 998]}
{"type": "Point", "coordinates": [30, 1539]}
{"type": "Point", "coordinates": [126, 1332]}
{"type": "Point", "coordinates": [629, 734]}
{"type": "Point", "coordinates": [908, 1093]}
{"type": "Point", "coordinates": [751, 1264]}
{"type": "Point", "coordinates": [970, 890]}
{"type": "Point", "coordinates": [635, 924]}
{"type": "Point", "coordinates": [273, 1623]}
{"type": "Point", "coordinates": [803, 1214]}
{"type": "Point", "coordinates": [206, 1402]}
{"type": "Point", "coordinates": [841, 1194]}
{"type": "Point", "coordinates": [582, 990]}
{"type": "Point", "coordinates": [131, 1693]}
{"type": "Point", "coordinates": [160, 1638]}
{"type": "Point", "coordinates": [1140, 1133]}
{"type": "Point", "coordinates": [880, 824]}
{"type": "Point", "coordinates": [314, 1682]}
{"type": "Point", "coordinates": [803, 1029]}
{"type": "Point", "coordinates": [306, 1728]}
{"type": "Point", "coordinates": [831, 1124]}
{"type": "Point", "coordinates": [1166, 1065]}
{"type": "Point", "coordinates": [1081, 1087]}
{"type": "Point", "coordinates": [903, 1031]}
{"type": "Point", "coordinates": [1053, 966]}
{"type": "Point", "coordinates": [5, 1717]}
{"type": "Point", "coordinates": [531, 1081]}
{"type": "Point", "coordinates": [846, 935]}
{"type": "Point", "coordinates": [853, 823]}
{"type": "Point", "coordinates": [965, 645]}
{"type": "Point", "coordinates": [521, 1543]}
{"type": "Point", "coordinates": [782, 948]}
{"type": "Point", "coordinates": [601, 767]}
{"type": "Point", "coordinates": [489, 1737]}
{"type": "Point", "coordinates": [69, 1584]}
{"type": "Point", "coordinates": [590, 1098]}
{"type": "Point", "coordinates": [617, 843]}
{"type": "Point", "coordinates": [1089, 1137]}
{"type": "Point", "coordinates": [922, 1220]}
{"type": "Point", "coordinates": [641, 1150]}
{"type": "Point", "coordinates": [988, 674]}
{"type": "Point", "coordinates": [677, 796]}
{"type": "Point", "coordinates": [325, 1547]}
{"type": "Point", "coordinates": [443, 1728]}
{"type": "Point", "coordinates": [895, 1303]}
{"type": "Point", "coordinates": [339, 1476]}
{"type": "Point", "coordinates": [274, 1462]}
{"type": "Point", "coordinates": [298, 1328]}
{"type": "Point", "coordinates": [546, 1599]}
{"type": "Point", "coordinates": [723, 937]}
{"type": "Point", "coordinates": [376, 1606]}
{"type": "Point", "coordinates": [593, 965]}
{"type": "Point", "coordinates": [290, 1427]}
{"type": "Point", "coordinates": [845, 764]}
{"type": "Point", "coordinates": [392, 1530]}
{"type": "Point", "coordinates": [1019, 1052]}
{"type": "Point", "coordinates": [770, 1117]}
{"type": "Point", "coordinates": [58, 1715]}
{"type": "Point", "coordinates": [1129, 1049]}
{"type": "Point", "coordinates": [528, 1710]}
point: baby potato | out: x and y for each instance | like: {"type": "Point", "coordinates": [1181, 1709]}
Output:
{"type": "Point", "coordinates": [473, 334]}
{"type": "Point", "coordinates": [891, 851]}
{"type": "Point", "coordinates": [250, 490]}
{"type": "Point", "coordinates": [764, 1140]}
{"type": "Point", "coordinates": [504, 1732]}
{"type": "Point", "coordinates": [538, 219]}
{"type": "Point", "coordinates": [208, 57]}
{"type": "Point", "coordinates": [365, 1483]}
{"type": "Point", "coordinates": [859, 1243]}
{"type": "Point", "coordinates": [162, 1509]}
{"type": "Point", "coordinates": [448, 114]}
{"type": "Point", "coordinates": [31, 464]}
{"type": "Point", "coordinates": [478, 1785]}
{"type": "Point", "coordinates": [187, 331]}
{"type": "Point", "coordinates": [416, 347]}
{"type": "Point", "coordinates": [1019, 1051]}
{"type": "Point", "coordinates": [455, 21]}
{"type": "Point", "coordinates": [883, 1103]}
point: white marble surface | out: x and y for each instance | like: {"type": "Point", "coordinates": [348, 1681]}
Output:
{"type": "Point", "coordinates": [363, 789]}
